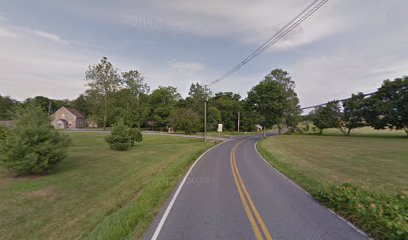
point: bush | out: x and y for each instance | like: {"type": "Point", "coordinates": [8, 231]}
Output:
{"type": "Point", "coordinates": [32, 145]}
{"type": "Point", "coordinates": [122, 137]}
{"type": "Point", "coordinates": [135, 136]}
{"type": "Point", "coordinates": [382, 216]}
{"type": "Point", "coordinates": [2, 133]}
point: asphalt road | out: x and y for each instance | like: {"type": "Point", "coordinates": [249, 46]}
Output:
{"type": "Point", "coordinates": [232, 193]}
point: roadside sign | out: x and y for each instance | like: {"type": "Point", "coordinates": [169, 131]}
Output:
{"type": "Point", "coordinates": [219, 128]}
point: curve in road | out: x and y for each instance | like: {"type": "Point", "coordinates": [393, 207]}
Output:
{"type": "Point", "coordinates": [231, 192]}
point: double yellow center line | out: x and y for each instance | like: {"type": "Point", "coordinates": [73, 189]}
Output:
{"type": "Point", "coordinates": [246, 200]}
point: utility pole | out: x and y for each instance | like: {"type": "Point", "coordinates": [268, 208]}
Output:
{"type": "Point", "coordinates": [239, 115]}
{"type": "Point", "coordinates": [205, 112]}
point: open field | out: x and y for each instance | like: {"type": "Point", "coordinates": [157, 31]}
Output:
{"type": "Point", "coordinates": [363, 131]}
{"type": "Point", "coordinates": [93, 186]}
{"type": "Point", "coordinates": [363, 178]}
{"type": "Point", "coordinates": [378, 163]}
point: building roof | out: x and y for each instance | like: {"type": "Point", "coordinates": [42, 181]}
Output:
{"type": "Point", "coordinates": [75, 112]}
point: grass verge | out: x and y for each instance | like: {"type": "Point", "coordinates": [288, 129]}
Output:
{"type": "Point", "coordinates": [332, 172]}
{"type": "Point", "coordinates": [96, 193]}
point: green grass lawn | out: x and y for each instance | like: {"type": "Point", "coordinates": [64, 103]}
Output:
{"type": "Point", "coordinates": [363, 178]}
{"type": "Point", "coordinates": [378, 163]}
{"type": "Point", "coordinates": [96, 192]}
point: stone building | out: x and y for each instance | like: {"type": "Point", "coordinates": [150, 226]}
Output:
{"type": "Point", "coordinates": [68, 118]}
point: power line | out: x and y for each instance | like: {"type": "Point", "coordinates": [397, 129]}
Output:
{"type": "Point", "coordinates": [341, 100]}
{"type": "Point", "coordinates": [296, 21]}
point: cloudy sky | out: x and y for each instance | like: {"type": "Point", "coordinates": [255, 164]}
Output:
{"type": "Point", "coordinates": [346, 47]}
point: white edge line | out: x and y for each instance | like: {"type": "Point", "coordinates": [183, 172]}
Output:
{"type": "Point", "coordinates": [333, 212]}
{"type": "Point", "coordinates": [170, 206]}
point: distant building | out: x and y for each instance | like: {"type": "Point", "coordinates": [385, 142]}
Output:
{"type": "Point", "coordinates": [68, 118]}
{"type": "Point", "coordinates": [258, 127]}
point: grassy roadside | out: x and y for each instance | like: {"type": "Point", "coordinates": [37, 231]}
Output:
{"type": "Point", "coordinates": [361, 178]}
{"type": "Point", "coordinates": [96, 193]}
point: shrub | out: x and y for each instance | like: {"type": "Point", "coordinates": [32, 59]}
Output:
{"type": "Point", "coordinates": [32, 145]}
{"type": "Point", "coordinates": [135, 136]}
{"type": "Point", "coordinates": [383, 216]}
{"type": "Point", "coordinates": [123, 137]}
{"type": "Point", "coordinates": [2, 133]}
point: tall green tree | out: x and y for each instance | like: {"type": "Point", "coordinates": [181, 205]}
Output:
{"type": "Point", "coordinates": [388, 107]}
{"type": "Point", "coordinates": [353, 113]}
{"type": "Point", "coordinates": [196, 98]}
{"type": "Point", "coordinates": [163, 101]}
{"type": "Point", "coordinates": [291, 113]}
{"type": "Point", "coordinates": [268, 99]}
{"type": "Point", "coordinates": [131, 102]}
{"type": "Point", "coordinates": [8, 107]}
{"type": "Point", "coordinates": [103, 80]}
{"type": "Point", "coordinates": [213, 118]}
{"type": "Point", "coordinates": [328, 116]}
{"type": "Point", "coordinates": [275, 99]}
{"type": "Point", "coordinates": [228, 104]}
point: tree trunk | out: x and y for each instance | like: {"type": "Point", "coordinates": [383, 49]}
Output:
{"type": "Point", "coordinates": [320, 131]}
{"type": "Point", "coordinates": [264, 131]}
{"type": "Point", "coordinates": [279, 129]}
{"type": "Point", "coordinates": [348, 132]}
{"type": "Point", "coordinates": [105, 111]}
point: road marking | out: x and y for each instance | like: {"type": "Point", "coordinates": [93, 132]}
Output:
{"type": "Point", "coordinates": [243, 190]}
{"type": "Point", "coordinates": [170, 206]}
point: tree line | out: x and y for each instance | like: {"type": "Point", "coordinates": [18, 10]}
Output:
{"type": "Point", "coordinates": [387, 108]}
{"type": "Point", "coordinates": [113, 95]}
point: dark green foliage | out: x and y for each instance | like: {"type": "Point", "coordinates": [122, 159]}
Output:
{"type": "Point", "coordinates": [120, 138]}
{"type": "Point", "coordinates": [162, 101]}
{"type": "Point", "coordinates": [353, 113]}
{"type": "Point", "coordinates": [229, 105]}
{"type": "Point", "coordinates": [136, 136]}
{"type": "Point", "coordinates": [213, 118]}
{"type": "Point", "coordinates": [2, 133]}
{"type": "Point", "coordinates": [103, 81]}
{"type": "Point", "coordinates": [328, 116]}
{"type": "Point", "coordinates": [186, 120]}
{"type": "Point", "coordinates": [382, 216]}
{"type": "Point", "coordinates": [388, 107]}
{"type": "Point", "coordinates": [32, 145]}
{"type": "Point", "coordinates": [275, 100]}
{"type": "Point", "coordinates": [8, 107]}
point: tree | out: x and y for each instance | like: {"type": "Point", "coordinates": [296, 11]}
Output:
{"type": "Point", "coordinates": [213, 118]}
{"type": "Point", "coordinates": [8, 107]}
{"type": "Point", "coordinates": [103, 80]}
{"type": "Point", "coordinates": [291, 112]}
{"type": "Point", "coordinates": [131, 102]}
{"type": "Point", "coordinates": [388, 107]}
{"type": "Point", "coordinates": [196, 98]}
{"type": "Point", "coordinates": [120, 138]}
{"type": "Point", "coordinates": [82, 104]}
{"type": "Point", "coordinates": [328, 116]}
{"type": "Point", "coordinates": [185, 119]}
{"type": "Point", "coordinates": [162, 102]}
{"type": "Point", "coordinates": [229, 105]}
{"type": "Point", "coordinates": [33, 145]}
{"type": "Point", "coordinates": [353, 112]}
{"type": "Point", "coordinates": [268, 99]}
{"type": "Point", "coordinates": [136, 136]}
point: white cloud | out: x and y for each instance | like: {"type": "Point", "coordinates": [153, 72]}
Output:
{"type": "Point", "coordinates": [49, 36]}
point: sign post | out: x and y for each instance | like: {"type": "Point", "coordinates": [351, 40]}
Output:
{"type": "Point", "coordinates": [219, 130]}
